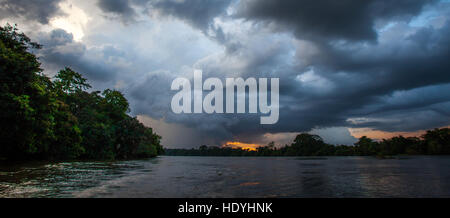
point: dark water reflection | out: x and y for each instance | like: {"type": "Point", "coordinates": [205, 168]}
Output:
{"type": "Point", "coordinates": [420, 176]}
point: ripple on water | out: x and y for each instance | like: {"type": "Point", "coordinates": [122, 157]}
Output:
{"type": "Point", "coordinates": [232, 177]}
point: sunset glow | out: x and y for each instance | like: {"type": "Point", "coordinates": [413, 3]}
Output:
{"type": "Point", "coordinates": [379, 135]}
{"type": "Point", "coordinates": [245, 146]}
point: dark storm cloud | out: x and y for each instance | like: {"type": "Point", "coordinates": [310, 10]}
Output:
{"type": "Point", "coordinates": [39, 10]}
{"type": "Point", "coordinates": [357, 76]}
{"type": "Point", "coordinates": [118, 7]}
{"type": "Point", "coordinates": [363, 81]}
{"type": "Point", "coordinates": [409, 119]}
{"type": "Point", "coordinates": [198, 13]}
{"type": "Point", "coordinates": [420, 59]}
{"type": "Point", "coordinates": [152, 96]}
{"type": "Point", "coordinates": [420, 108]}
{"type": "Point", "coordinates": [329, 19]}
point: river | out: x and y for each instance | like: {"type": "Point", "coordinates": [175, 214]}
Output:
{"type": "Point", "coordinates": [168, 176]}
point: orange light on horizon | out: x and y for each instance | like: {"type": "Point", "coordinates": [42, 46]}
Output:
{"type": "Point", "coordinates": [379, 135]}
{"type": "Point", "coordinates": [245, 146]}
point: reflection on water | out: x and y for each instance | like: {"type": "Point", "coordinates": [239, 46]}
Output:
{"type": "Point", "coordinates": [420, 176]}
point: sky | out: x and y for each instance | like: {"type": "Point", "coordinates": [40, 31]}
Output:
{"type": "Point", "coordinates": [347, 68]}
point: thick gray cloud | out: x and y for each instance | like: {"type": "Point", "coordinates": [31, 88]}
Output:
{"type": "Point", "coordinates": [116, 6]}
{"type": "Point", "coordinates": [198, 13]}
{"type": "Point", "coordinates": [329, 19]}
{"type": "Point", "coordinates": [376, 64]}
{"type": "Point", "coordinates": [39, 10]}
{"type": "Point", "coordinates": [333, 84]}
{"type": "Point", "coordinates": [345, 79]}
{"type": "Point", "coordinates": [121, 8]}
{"type": "Point", "coordinates": [60, 50]}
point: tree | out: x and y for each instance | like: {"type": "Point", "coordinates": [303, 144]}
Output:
{"type": "Point", "coordinates": [18, 67]}
{"type": "Point", "coordinates": [21, 93]}
{"type": "Point", "coordinates": [437, 141]}
{"type": "Point", "coordinates": [366, 146]}
{"type": "Point", "coordinates": [70, 81]}
{"type": "Point", "coordinates": [307, 145]}
{"type": "Point", "coordinates": [115, 104]}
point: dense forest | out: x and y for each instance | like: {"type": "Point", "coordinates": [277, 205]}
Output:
{"type": "Point", "coordinates": [56, 118]}
{"type": "Point", "coordinates": [434, 142]}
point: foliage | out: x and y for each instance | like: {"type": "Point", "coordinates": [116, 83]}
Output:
{"type": "Point", "coordinates": [59, 120]}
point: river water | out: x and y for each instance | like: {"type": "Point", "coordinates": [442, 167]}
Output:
{"type": "Point", "coordinates": [165, 176]}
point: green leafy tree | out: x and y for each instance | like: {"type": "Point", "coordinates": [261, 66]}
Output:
{"type": "Point", "coordinates": [307, 145]}
{"type": "Point", "coordinates": [115, 104]}
{"type": "Point", "coordinates": [366, 146]}
{"type": "Point", "coordinates": [21, 93]}
{"type": "Point", "coordinates": [437, 141]}
{"type": "Point", "coordinates": [70, 81]}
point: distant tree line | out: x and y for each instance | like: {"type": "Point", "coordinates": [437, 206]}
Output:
{"type": "Point", "coordinates": [433, 142]}
{"type": "Point", "coordinates": [57, 119]}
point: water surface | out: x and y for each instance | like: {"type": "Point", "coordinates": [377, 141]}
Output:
{"type": "Point", "coordinates": [418, 176]}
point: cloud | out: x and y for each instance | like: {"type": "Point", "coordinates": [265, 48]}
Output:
{"type": "Point", "coordinates": [99, 65]}
{"type": "Point", "coordinates": [121, 8]}
{"type": "Point", "coordinates": [325, 84]}
{"type": "Point", "coordinates": [332, 81]}
{"type": "Point", "coordinates": [377, 65]}
{"type": "Point", "coordinates": [38, 10]}
{"type": "Point", "coordinates": [176, 135]}
{"type": "Point", "coordinates": [336, 135]}
{"type": "Point", "coordinates": [325, 20]}
{"type": "Point", "coordinates": [116, 6]}
{"type": "Point", "coordinates": [198, 13]}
